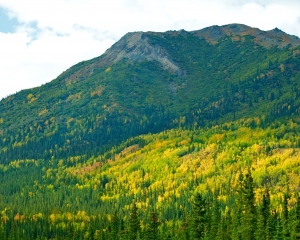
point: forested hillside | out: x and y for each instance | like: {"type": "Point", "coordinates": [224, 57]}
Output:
{"type": "Point", "coordinates": [159, 177]}
{"type": "Point", "coordinates": [175, 135]}
{"type": "Point", "coordinates": [148, 82]}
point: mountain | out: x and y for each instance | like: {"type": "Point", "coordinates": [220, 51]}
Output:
{"type": "Point", "coordinates": [121, 146]}
{"type": "Point", "coordinates": [148, 82]}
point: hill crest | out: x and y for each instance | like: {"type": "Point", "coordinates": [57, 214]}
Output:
{"type": "Point", "coordinates": [136, 45]}
{"type": "Point", "coordinates": [267, 39]}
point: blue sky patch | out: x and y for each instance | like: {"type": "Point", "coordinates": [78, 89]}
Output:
{"type": "Point", "coordinates": [7, 25]}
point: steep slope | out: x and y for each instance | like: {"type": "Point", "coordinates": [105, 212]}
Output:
{"type": "Point", "coordinates": [148, 82]}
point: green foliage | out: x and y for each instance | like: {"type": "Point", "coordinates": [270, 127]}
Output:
{"type": "Point", "coordinates": [96, 197]}
{"type": "Point", "coordinates": [134, 223]}
{"type": "Point", "coordinates": [200, 219]}
{"type": "Point", "coordinates": [248, 215]}
{"type": "Point", "coordinates": [153, 227]}
{"type": "Point", "coordinates": [87, 109]}
{"type": "Point", "coordinates": [135, 151]}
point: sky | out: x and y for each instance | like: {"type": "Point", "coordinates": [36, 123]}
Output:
{"type": "Point", "coordinates": [39, 39]}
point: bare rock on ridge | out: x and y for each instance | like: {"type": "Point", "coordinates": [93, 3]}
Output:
{"type": "Point", "coordinates": [136, 46]}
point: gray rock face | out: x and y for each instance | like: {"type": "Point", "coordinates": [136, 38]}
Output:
{"type": "Point", "coordinates": [136, 46]}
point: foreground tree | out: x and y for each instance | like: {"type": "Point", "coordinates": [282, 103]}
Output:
{"type": "Point", "coordinates": [153, 233]}
{"type": "Point", "coordinates": [199, 218]}
{"type": "Point", "coordinates": [134, 223]}
{"type": "Point", "coordinates": [248, 217]}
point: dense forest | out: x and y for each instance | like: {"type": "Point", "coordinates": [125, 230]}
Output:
{"type": "Point", "coordinates": [165, 184]}
{"type": "Point", "coordinates": [131, 149]}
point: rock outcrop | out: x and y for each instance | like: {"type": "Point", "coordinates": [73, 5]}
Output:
{"type": "Point", "coordinates": [136, 46]}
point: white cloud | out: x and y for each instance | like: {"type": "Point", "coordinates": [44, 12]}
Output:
{"type": "Point", "coordinates": [56, 34]}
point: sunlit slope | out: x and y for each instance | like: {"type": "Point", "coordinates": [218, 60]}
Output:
{"type": "Point", "coordinates": [178, 162]}
{"type": "Point", "coordinates": [160, 170]}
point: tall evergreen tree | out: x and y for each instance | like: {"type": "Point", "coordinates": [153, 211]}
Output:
{"type": "Point", "coordinates": [285, 216]}
{"type": "Point", "coordinates": [2, 231]}
{"type": "Point", "coordinates": [248, 216]}
{"type": "Point", "coordinates": [295, 233]}
{"type": "Point", "coordinates": [215, 218]}
{"type": "Point", "coordinates": [134, 222]}
{"type": "Point", "coordinates": [186, 227]}
{"type": "Point", "coordinates": [153, 227]}
{"type": "Point", "coordinates": [114, 227]}
{"type": "Point", "coordinates": [221, 233]}
{"type": "Point", "coordinates": [260, 232]}
{"type": "Point", "coordinates": [237, 209]}
{"type": "Point", "coordinates": [279, 234]}
{"type": "Point", "coordinates": [199, 217]}
{"type": "Point", "coordinates": [263, 214]}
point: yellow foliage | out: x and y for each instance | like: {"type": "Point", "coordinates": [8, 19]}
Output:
{"type": "Point", "coordinates": [215, 163]}
{"type": "Point", "coordinates": [43, 112]}
{"type": "Point", "coordinates": [160, 198]}
{"type": "Point", "coordinates": [97, 92]}
{"type": "Point", "coordinates": [52, 218]}
{"type": "Point", "coordinates": [29, 96]}
{"type": "Point", "coordinates": [19, 217]}
{"type": "Point", "coordinates": [74, 97]}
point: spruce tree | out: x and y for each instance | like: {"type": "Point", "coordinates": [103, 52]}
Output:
{"type": "Point", "coordinates": [2, 231]}
{"type": "Point", "coordinates": [134, 223]}
{"type": "Point", "coordinates": [279, 234]}
{"type": "Point", "coordinates": [114, 227]}
{"type": "Point", "coordinates": [215, 218]}
{"type": "Point", "coordinates": [285, 216]}
{"type": "Point", "coordinates": [237, 210]}
{"type": "Point", "coordinates": [295, 234]}
{"type": "Point", "coordinates": [199, 217]}
{"type": "Point", "coordinates": [271, 226]}
{"type": "Point", "coordinates": [153, 227]}
{"type": "Point", "coordinates": [186, 227]}
{"type": "Point", "coordinates": [248, 209]}
{"type": "Point", "coordinates": [221, 233]}
{"type": "Point", "coordinates": [298, 218]}
{"type": "Point", "coordinates": [263, 221]}
{"type": "Point", "coordinates": [260, 232]}
{"type": "Point", "coordinates": [235, 226]}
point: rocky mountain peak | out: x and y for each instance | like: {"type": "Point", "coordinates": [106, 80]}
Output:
{"type": "Point", "coordinates": [139, 46]}
{"type": "Point", "coordinates": [136, 46]}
